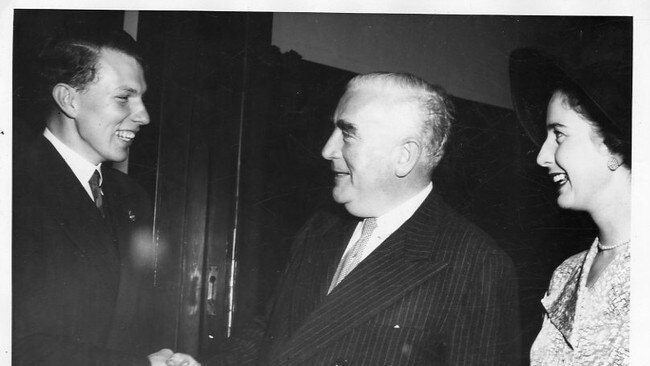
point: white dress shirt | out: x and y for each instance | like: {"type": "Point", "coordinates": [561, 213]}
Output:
{"type": "Point", "coordinates": [82, 168]}
{"type": "Point", "coordinates": [388, 223]}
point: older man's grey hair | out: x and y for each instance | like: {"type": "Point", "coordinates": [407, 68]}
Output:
{"type": "Point", "coordinates": [433, 101]}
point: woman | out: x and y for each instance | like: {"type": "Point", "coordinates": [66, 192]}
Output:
{"type": "Point", "coordinates": [587, 153]}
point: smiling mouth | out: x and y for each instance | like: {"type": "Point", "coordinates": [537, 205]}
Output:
{"type": "Point", "coordinates": [124, 135]}
{"type": "Point", "coordinates": [340, 175]}
{"type": "Point", "coordinates": [559, 178]}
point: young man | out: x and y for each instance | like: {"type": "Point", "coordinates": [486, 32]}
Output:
{"type": "Point", "coordinates": [81, 230]}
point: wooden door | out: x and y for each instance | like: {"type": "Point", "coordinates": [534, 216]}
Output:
{"type": "Point", "coordinates": [199, 66]}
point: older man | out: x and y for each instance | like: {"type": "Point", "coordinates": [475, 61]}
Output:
{"type": "Point", "coordinates": [403, 280]}
{"type": "Point", "coordinates": [81, 230]}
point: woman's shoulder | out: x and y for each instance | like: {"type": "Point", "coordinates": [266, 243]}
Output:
{"type": "Point", "coordinates": [568, 267]}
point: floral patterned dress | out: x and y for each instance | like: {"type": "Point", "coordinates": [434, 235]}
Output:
{"type": "Point", "coordinates": [586, 325]}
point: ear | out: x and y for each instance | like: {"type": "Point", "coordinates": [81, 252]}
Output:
{"type": "Point", "coordinates": [408, 154]}
{"type": "Point", "coordinates": [65, 97]}
{"type": "Point", "coordinates": [606, 153]}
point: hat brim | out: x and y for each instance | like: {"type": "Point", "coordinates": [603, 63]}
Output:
{"type": "Point", "coordinates": [533, 78]}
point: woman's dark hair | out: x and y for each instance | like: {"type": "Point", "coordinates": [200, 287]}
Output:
{"type": "Point", "coordinates": [72, 58]}
{"type": "Point", "coordinates": [613, 137]}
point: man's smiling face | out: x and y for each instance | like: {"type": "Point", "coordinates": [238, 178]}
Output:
{"type": "Point", "coordinates": [109, 111]}
{"type": "Point", "coordinates": [369, 126]}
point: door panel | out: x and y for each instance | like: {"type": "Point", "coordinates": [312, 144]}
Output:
{"type": "Point", "coordinates": [201, 67]}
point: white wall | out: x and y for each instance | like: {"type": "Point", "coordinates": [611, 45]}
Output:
{"type": "Point", "coordinates": [468, 55]}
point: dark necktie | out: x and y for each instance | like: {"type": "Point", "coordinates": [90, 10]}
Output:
{"type": "Point", "coordinates": [98, 195]}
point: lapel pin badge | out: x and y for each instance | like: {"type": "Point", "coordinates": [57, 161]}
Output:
{"type": "Point", "coordinates": [131, 216]}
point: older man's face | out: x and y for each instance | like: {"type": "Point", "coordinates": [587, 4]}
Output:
{"type": "Point", "coordinates": [369, 127]}
{"type": "Point", "coordinates": [110, 110]}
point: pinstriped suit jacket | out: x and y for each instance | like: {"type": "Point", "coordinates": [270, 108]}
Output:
{"type": "Point", "coordinates": [436, 292]}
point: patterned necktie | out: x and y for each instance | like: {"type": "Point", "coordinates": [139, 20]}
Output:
{"type": "Point", "coordinates": [98, 195]}
{"type": "Point", "coordinates": [353, 256]}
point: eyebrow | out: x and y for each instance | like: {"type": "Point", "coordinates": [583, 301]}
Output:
{"type": "Point", "coordinates": [553, 125]}
{"type": "Point", "coordinates": [130, 90]}
{"type": "Point", "coordinates": [346, 126]}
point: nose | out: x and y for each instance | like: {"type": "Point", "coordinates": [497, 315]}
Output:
{"type": "Point", "coordinates": [332, 148]}
{"type": "Point", "coordinates": [141, 116]}
{"type": "Point", "coordinates": [546, 155]}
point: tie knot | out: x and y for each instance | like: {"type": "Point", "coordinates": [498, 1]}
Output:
{"type": "Point", "coordinates": [369, 225]}
{"type": "Point", "coordinates": [94, 180]}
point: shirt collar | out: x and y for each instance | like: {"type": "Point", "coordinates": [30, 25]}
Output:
{"type": "Point", "coordinates": [393, 219]}
{"type": "Point", "coordinates": [82, 168]}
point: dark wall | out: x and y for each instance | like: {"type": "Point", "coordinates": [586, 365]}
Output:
{"type": "Point", "coordinates": [285, 178]}
{"type": "Point", "coordinates": [489, 175]}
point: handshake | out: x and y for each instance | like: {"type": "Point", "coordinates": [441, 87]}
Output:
{"type": "Point", "coordinates": [167, 357]}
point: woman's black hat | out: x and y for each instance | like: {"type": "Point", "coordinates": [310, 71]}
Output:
{"type": "Point", "coordinates": [534, 77]}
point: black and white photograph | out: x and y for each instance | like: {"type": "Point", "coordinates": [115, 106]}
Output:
{"type": "Point", "coordinates": [279, 184]}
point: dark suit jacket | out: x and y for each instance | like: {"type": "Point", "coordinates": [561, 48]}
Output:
{"type": "Point", "coordinates": [436, 292]}
{"type": "Point", "coordinates": [75, 284]}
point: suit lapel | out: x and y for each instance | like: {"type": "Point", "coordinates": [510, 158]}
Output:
{"type": "Point", "coordinates": [75, 211]}
{"type": "Point", "coordinates": [401, 263]}
{"type": "Point", "coordinates": [311, 283]}
{"type": "Point", "coordinates": [120, 217]}
{"type": "Point", "coordinates": [124, 221]}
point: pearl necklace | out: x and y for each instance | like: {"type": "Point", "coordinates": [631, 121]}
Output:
{"type": "Point", "coordinates": [608, 247]}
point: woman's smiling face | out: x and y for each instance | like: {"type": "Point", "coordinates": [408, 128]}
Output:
{"type": "Point", "coordinates": [575, 155]}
